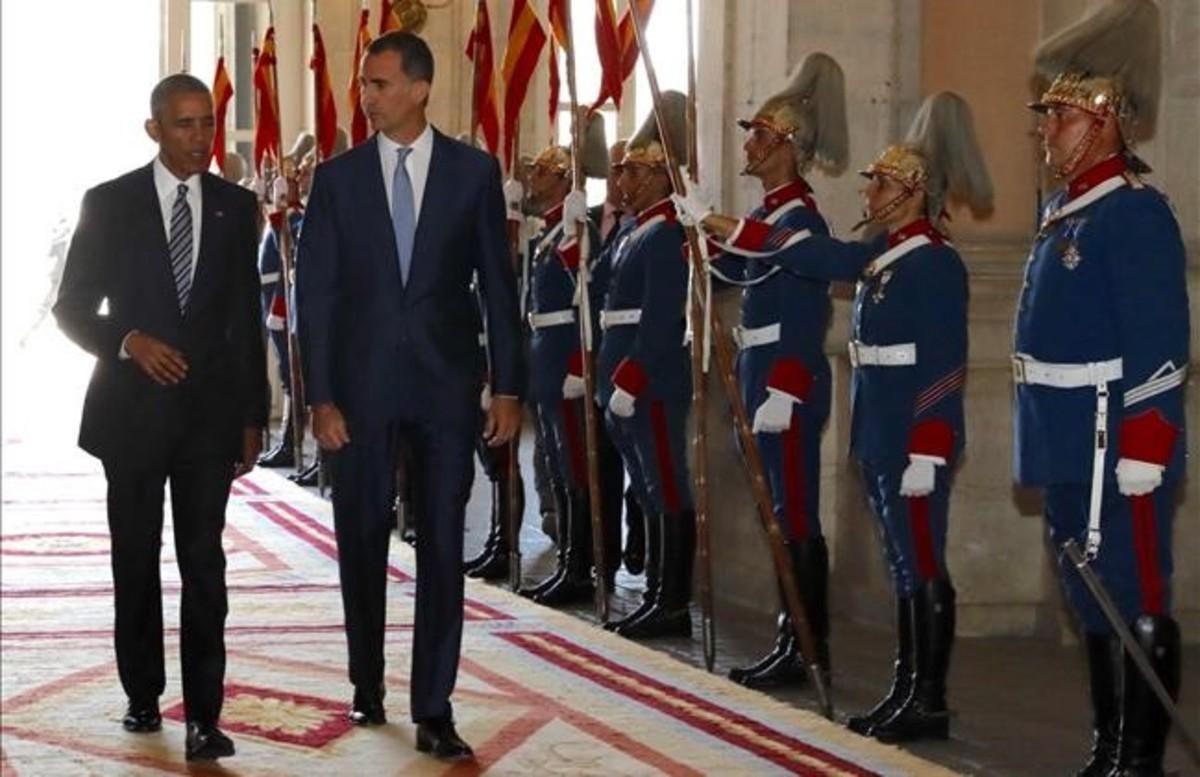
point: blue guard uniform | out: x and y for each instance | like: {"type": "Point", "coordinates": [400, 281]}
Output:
{"type": "Point", "coordinates": [275, 316]}
{"type": "Point", "coordinates": [1101, 355]}
{"type": "Point", "coordinates": [642, 353]}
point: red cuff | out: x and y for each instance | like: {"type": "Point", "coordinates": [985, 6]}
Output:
{"type": "Point", "coordinates": [790, 377]}
{"type": "Point", "coordinates": [575, 364]}
{"type": "Point", "coordinates": [630, 377]}
{"type": "Point", "coordinates": [276, 219]}
{"type": "Point", "coordinates": [933, 437]}
{"type": "Point", "coordinates": [1147, 437]}
{"type": "Point", "coordinates": [569, 255]}
{"type": "Point", "coordinates": [752, 235]}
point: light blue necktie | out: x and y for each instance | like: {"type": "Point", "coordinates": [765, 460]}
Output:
{"type": "Point", "coordinates": [179, 246]}
{"type": "Point", "coordinates": [404, 216]}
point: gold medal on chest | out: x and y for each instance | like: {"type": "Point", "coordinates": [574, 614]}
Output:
{"type": "Point", "coordinates": [1070, 256]}
{"type": "Point", "coordinates": [880, 290]}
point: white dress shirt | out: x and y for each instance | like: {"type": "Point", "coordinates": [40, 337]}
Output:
{"type": "Point", "coordinates": [167, 186]}
{"type": "Point", "coordinates": [417, 165]}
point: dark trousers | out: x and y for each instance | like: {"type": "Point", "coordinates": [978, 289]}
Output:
{"type": "Point", "coordinates": [364, 488]}
{"type": "Point", "coordinates": [199, 484]}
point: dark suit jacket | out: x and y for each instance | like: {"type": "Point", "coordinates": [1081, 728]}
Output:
{"type": "Point", "coordinates": [380, 349]}
{"type": "Point", "coordinates": [119, 253]}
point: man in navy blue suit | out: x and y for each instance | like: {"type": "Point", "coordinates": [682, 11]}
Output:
{"type": "Point", "coordinates": [394, 231]}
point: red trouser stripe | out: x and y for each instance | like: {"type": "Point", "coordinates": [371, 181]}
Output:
{"type": "Point", "coordinates": [1145, 546]}
{"type": "Point", "coordinates": [922, 537]}
{"type": "Point", "coordinates": [575, 453]}
{"type": "Point", "coordinates": [793, 479]}
{"type": "Point", "coordinates": [662, 449]}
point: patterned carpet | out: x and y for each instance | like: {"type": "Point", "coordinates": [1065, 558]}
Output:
{"type": "Point", "coordinates": [538, 692]}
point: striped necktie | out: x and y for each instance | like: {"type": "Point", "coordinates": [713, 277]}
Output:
{"type": "Point", "coordinates": [180, 246]}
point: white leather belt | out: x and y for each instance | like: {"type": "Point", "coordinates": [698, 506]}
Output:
{"type": "Point", "coordinates": [1064, 376]}
{"type": "Point", "coordinates": [553, 318]}
{"type": "Point", "coordinates": [626, 317]}
{"type": "Point", "coordinates": [749, 337]}
{"type": "Point", "coordinates": [268, 277]}
{"type": "Point", "coordinates": [898, 355]}
{"type": "Point", "coordinates": [1032, 372]}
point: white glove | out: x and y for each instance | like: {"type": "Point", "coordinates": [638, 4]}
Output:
{"type": "Point", "coordinates": [918, 478]}
{"type": "Point", "coordinates": [692, 207]}
{"type": "Point", "coordinates": [514, 194]}
{"type": "Point", "coordinates": [774, 415]}
{"type": "Point", "coordinates": [621, 403]}
{"type": "Point", "coordinates": [280, 192]}
{"type": "Point", "coordinates": [575, 208]}
{"type": "Point", "coordinates": [573, 387]}
{"type": "Point", "coordinates": [1135, 478]}
{"type": "Point", "coordinates": [260, 188]}
{"type": "Point", "coordinates": [485, 398]}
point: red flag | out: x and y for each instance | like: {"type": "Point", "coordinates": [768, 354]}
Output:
{"type": "Point", "coordinates": [617, 47]}
{"type": "Point", "coordinates": [266, 120]}
{"type": "Point", "coordinates": [362, 39]}
{"type": "Point", "coordinates": [388, 20]}
{"type": "Point", "coordinates": [555, 86]}
{"type": "Point", "coordinates": [525, 41]}
{"type": "Point", "coordinates": [222, 91]}
{"type": "Point", "coordinates": [326, 124]}
{"type": "Point", "coordinates": [556, 13]}
{"type": "Point", "coordinates": [483, 94]}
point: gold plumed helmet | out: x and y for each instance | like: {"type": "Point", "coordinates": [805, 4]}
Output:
{"type": "Point", "coordinates": [940, 155]}
{"type": "Point", "coordinates": [1108, 64]}
{"type": "Point", "coordinates": [810, 112]}
{"type": "Point", "coordinates": [645, 147]}
{"type": "Point", "coordinates": [594, 152]}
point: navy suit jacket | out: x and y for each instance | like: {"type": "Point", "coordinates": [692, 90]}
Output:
{"type": "Point", "coordinates": [119, 253]}
{"type": "Point", "coordinates": [381, 349]}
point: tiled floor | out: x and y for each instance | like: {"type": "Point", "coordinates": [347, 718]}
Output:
{"type": "Point", "coordinates": [1020, 705]}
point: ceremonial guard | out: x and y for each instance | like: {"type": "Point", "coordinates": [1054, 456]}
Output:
{"type": "Point", "coordinates": [909, 351]}
{"type": "Point", "coordinates": [1101, 355]}
{"type": "Point", "coordinates": [644, 378]}
{"type": "Point", "coordinates": [556, 366]}
{"type": "Point", "coordinates": [781, 364]}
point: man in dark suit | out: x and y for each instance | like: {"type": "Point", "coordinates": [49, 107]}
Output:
{"type": "Point", "coordinates": [388, 326]}
{"type": "Point", "coordinates": [178, 392]}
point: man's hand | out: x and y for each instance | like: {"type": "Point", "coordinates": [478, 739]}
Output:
{"type": "Point", "coordinates": [329, 427]}
{"type": "Point", "coordinates": [514, 196]}
{"type": "Point", "coordinates": [774, 415]}
{"type": "Point", "coordinates": [575, 208]}
{"type": "Point", "coordinates": [503, 421]}
{"type": "Point", "coordinates": [692, 207]}
{"type": "Point", "coordinates": [165, 365]}
{"type": "Point", "coordinates": [251, 447]}
{"type": "Point", "coordinates": [1138, 478]}
{"type": "Point", "coordinates": [621, 403]}
{"type": "Point", "coordinates": [919, 477]}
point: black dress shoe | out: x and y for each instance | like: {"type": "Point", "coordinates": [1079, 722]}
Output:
{"type": "Point", "coordinates": [309, 477]}
{"type": "Point", "coordinates": [367, 708]}
{"type": "Point", "coordinates": [206, 742]}
{"type": "Point", "coordinates": [142, 717]}
{"type": "Point", "coordinates": [439, 739]}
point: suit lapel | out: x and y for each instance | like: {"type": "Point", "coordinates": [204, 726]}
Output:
{"type": "Point", "coordinates": [158, 257]}
{"type": "Point", "coordinates": [376, 215]}
{"type": "Point", "coordinates": [212, 225]}
{"type": "Point", "coordinates": [437, 190]}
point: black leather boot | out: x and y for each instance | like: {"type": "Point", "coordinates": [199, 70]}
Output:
{"type": "Point", "coordinates": [493, 536]}
{"type": "Point", "coordinates": [782, 666]}
{"type": "Point", "coordinates": [496, 565]}
{"type": "Point", "coordinates": [924, 714]}
{"type": "Point", "coordinates": [281, 455]}
{"type": "Point", "coordinates": [634, 554]}
{"type": "Point", "coordinates": [575, 584]}
{"type": "Point", "coordinates": [1144, 721]}
{"type": "Point", "coordinates": [309, 476]}
{"type": "Point", "coordinates": [653, 579]}
{"type": "Point", "coordinates": [1103, 674]}
{"type": "Point", "coordinates": [562, 517]}
{"type": "Point", "coordinates": [901, 677]}
{"type": "Point", "coordinates": [669, 615]}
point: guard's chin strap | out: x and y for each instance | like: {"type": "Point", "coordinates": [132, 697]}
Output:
{"type": "Point", "coordinates": [753, 164]}
{"type": "Point", "coordinates": [877, 216]}
{"type": "Point", "coordinates": [1081, 148]}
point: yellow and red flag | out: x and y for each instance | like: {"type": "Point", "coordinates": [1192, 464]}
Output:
{"type": "Point", "coordinates": [389, 20]}
{"type": "Point", "coordinates": [556, 14]}
{"type": "Point", "coordinates": [266, 117]}
{"type": "Point", "coordinates": [555, 87]}
{"type": "Point", "coordinates": [222, 90]}
{"type": "Point", "coordinates": [484, 105]}
{"type": "Point", "coordinates": [616, 45]}
{"type": "Point", "coordinates": [362, 39]}
{"type": "Point", "coordinates": [326, 123]}
{"type": "Point", "coordinates": [526, 37]}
